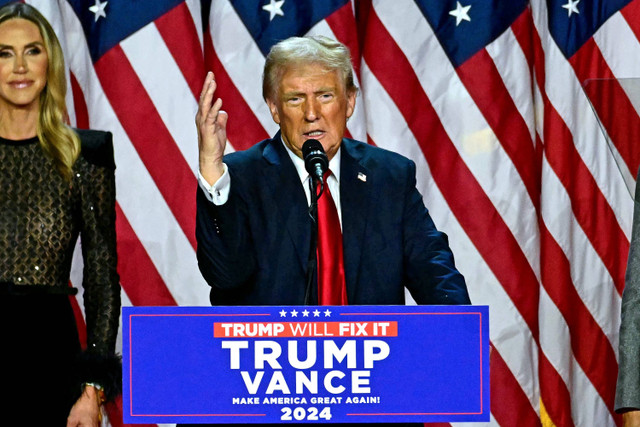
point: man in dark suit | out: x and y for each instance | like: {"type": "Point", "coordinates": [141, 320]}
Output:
{"type": "Point", "coordinates": [253, 225]}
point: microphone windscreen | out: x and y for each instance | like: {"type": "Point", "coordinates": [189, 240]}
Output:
{"type": "Point", "coordinates": [310, 146]}
{"type": "Point", "coordinates": [314, 157]}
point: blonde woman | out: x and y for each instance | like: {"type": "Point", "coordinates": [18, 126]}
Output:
{"type": "Point", "coordinates": [56, 183]}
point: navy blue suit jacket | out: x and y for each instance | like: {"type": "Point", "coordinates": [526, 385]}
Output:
{"type": "Point", "coordinates": [253, 250]}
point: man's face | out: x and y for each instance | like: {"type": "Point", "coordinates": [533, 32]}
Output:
{"type": "Point", "coordinates": [312, 104]}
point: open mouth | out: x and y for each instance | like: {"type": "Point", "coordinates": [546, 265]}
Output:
{"type": "Point", "coordinates": [314, 134]}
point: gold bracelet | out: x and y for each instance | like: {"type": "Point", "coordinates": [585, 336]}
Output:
{"type": "Point", "coordinates": [99, 392]}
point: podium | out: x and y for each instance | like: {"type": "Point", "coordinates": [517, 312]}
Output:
{"type": "Point", "coordinates": [305, 364]}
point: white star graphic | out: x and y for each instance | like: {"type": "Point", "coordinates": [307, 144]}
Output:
{"type": "Point", "coordinates": [274, 8]}
{"type": "Point", "coordinates": [316, 313]}
{"type": "Point", "coordinates": [461, 13]}
{"type": "Point", "coordinates": [98, 10]}
{"type": "Point", "coordinates": [294, 313]}
{"type": "Point", "coordinates": [305, 313]}
{"type": "Point", "coordinates": [283, 313]}
{"type": "Point", "coordinates": [327, 313]}
{"type": "Point", "coordinates": [571, 6]}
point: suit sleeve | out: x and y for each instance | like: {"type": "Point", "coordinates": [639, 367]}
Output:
{"type": "Point", "coordinates": [628, 386]}
{"type": "Point", "coordinates": [225, 251]}
{"type": "Point", "coordinates": [430, 272]}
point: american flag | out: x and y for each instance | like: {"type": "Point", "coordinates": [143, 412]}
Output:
{"type": "Point", "coordinates": [525, 142]}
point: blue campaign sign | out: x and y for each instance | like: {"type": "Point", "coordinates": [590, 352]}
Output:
{"type": "Point", "coordinates": [308, 364]}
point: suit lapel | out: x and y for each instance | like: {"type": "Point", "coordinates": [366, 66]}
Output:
{"type": "Point", "coordinates": [282, 180]}
{"type": "Point", "coordinates": [354, 200]}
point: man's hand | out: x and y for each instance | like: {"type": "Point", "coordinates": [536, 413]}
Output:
{"type": "Point", "coordinates": [211, 123]}
{"type": "Point", "coordinates": [86, 411]}
{"type": "Point", "coordinates": [631, 419]}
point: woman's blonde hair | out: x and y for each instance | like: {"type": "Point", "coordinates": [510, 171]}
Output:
{"type": "Point", "coordinates": [56, 138]}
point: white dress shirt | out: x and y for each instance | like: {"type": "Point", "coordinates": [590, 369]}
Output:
{"type": "Point", "coordinates": [218, 193]}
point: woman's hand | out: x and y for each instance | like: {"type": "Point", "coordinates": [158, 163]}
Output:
{"type": "Point", "coordinates": [86, 411]}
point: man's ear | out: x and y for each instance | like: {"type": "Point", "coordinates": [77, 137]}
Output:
{"type": "Point", "coordinates": [273, 108]}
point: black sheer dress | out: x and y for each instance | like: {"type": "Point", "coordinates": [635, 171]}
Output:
{"type": "Point", "coordinates": [41, 217]}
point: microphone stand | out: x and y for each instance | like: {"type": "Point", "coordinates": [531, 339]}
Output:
{"type": "Point", "coordinates": [312, 262]}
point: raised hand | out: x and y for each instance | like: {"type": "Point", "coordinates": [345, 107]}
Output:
{"type": "Point", "coordinates": [211, 123]}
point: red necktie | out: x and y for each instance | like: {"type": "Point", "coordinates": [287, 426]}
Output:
{"type": "Point", "coordinates": [331, 284]}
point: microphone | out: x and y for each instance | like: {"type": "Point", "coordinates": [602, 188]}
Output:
{"type": "Point", "coordinates": [316, 161]}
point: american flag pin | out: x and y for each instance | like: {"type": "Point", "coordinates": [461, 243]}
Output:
{"type": "Point", "coordinates": [362, 177]}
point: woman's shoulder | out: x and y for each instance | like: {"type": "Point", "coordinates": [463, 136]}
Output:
{"type": "Point", "coordinates": [96, 147]}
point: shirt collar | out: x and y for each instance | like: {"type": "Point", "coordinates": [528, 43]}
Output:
{"type": "Point", "coordinates": [334, 164]}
